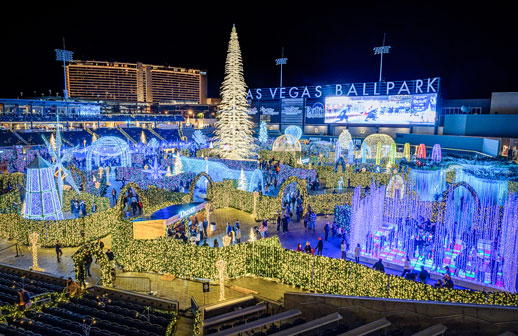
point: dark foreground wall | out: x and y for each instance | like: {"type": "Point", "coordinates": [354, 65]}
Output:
{"type": "Point", "coordinates": [461, 319]}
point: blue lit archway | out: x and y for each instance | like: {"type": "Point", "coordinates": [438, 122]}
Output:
{"type": "Point", "coordinates": [109, 147]}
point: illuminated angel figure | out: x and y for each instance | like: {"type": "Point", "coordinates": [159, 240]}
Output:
{"type": "Point", "coordinates": [60, 157]}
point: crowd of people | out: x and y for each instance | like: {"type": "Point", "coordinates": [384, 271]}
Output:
{"type": "Point", "coordinates": [78, 208]}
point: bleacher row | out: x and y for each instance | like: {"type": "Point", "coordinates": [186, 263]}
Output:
{"type": "Point", "coordinates": [11, 283]}
{"type": "Point", "coordinates": [76, 138]}
{"type": "Point", "coordinates": [247, 316]}
{"type": "Point", "coordinates": [100, 311]}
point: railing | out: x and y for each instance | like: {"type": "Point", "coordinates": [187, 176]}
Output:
{"type": "Point", "coordinates": [92, 133]}
{"type": "Point", "coordinates": [18, 250]}
{"type": "Point", "coordinates": [127, 135]}
{"type": "Point", "coordinates": [19, 137]}
{"type": "Point", "coordinates": [155, 134]}
{"type": "Point", "coordinates": [134, 284]}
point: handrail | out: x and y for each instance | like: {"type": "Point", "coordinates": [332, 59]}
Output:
{"type": "Point", "coordinates": [155, 133]}
{"type": "Point", "coordinates": [19, 137]}
{"type": "Point", "coordinates": [126, 135]}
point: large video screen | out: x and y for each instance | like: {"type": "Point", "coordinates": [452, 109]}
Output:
{"type": "Point", "coordinates": [391, 110]}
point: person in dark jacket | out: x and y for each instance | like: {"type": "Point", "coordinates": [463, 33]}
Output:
{"type": "Point", "coordinates": [423, 275]}
{"type": "Point", "coordinates": [307, 248]}
{"type": "Point", "coordinates": [378, 266]}
{"type": "Point", "coordinates": [320, 246]}
{"type": "Point", "coordinates": [87, 259]}
{"type": "Point", "coordinates": [448, 282]}
{"type": "Point", "coordinates": [326, 231]}
{"type": "Point", "coordinates": [59, 253]}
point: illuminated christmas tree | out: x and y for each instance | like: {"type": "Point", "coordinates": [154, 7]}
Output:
{"type": "Point", "coordinates": [178, 165]}
{"type": "Point", "coordinates": [263, 133]}
{"type": "Point", "coordinates": [242, 181]}
{"type": "Point", "coordinates": [234, 129]}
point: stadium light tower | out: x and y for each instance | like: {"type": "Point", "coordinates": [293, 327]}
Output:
{"type": "Point", "coordinates": [65, 56]}
{"type": "Point", "coordinates": [281, 61]}
{"type": "Point", "coordinates": [380, 51]}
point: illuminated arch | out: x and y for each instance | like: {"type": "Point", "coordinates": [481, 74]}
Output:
{"type": "Point", "coordinates": [257, 174]}
{"type": "Point", "coordinates": [138, 191]}
{"type": "Point", "coordinates": [342, 162]}
{"type": "Point", "coordinates": [100, 258]}
{"type": "Point", "coordinates": [195, 181]}
{"type": "Point", "coordinates": [372, 142]}
{"type": "Point", "coordinates": [345, 138]}
{"type": "Point", "coordinates": [470, 189]}
{"type": "Point", "coordinates": [301, 185]}
{"type": "Point", "coordinates": [396, 182]}
{"type": "Point", "coordinates": [286, 143]}
{"type": "Point", "coordinates": [110, 147]}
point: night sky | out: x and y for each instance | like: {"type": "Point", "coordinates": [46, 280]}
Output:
{"type": "Point", "coordinates": [473, 50]}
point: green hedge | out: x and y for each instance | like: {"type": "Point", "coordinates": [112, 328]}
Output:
{"type": "Point", "coordinates": [267, 259]}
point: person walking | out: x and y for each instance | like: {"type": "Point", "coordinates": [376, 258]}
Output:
{"type": "Point", "coordinates": [59, 253]}
{"type": "Point", "coordinates": [229, 228]}
{"type": "Point", "coordinates": [205, 227]}
{"type": "Point", "coordinates": [357, 253]}
{"type": "Point", "coordinates": [279, 221]}
{"type": "Point", "coordinates": [285, 223]}
{"type": "Point", "coordinates": [407, 266]}
{"type": "Point", "coordinates": [114, 196]}
{"type": "Point", "coordinates": [312, 220]}
{"type": "Point", "coordinates": [343, 248]}
{"type": "Point", "coordinates": [94, 208]}
{"type": "Point", "coordinates": [378, 266]}
{"type": "Point", "coordinates": [326, 230]}
{"type": "Point", "coordinates": [238, 235]}
{"type": "Point", "coordinates": [320, 246]}
{"type": "Point", "coordinates": [87, 259]}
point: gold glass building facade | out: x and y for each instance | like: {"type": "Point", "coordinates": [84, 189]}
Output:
{"type": "Point", "coordinates": [135, 82]}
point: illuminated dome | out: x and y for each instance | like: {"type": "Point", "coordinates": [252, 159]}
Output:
{"type": "Point", "coordinates": [372, 143]}
{"type": "Point", "coordinates": [295, 131]}
{"type": "Point", "coordinates": [345, 138]}
{"type": "Point", "coordinates": [108, 147]}
{"type": "Point", "coordinates": [286, 143]}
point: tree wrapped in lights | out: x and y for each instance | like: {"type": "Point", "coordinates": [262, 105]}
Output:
{"type": "Point", "coordinates": [199, 138]}
{"type": "Point", "coordinates": [263, 133]}
{"type": "Point", "coordinates": [178, 164]}
{"type": "Point", "coordinates": [242, 181]}
{"type": "Point", "coordinates": [234, 129]}
{"type": "Point", "coordinates": [33, 239]}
